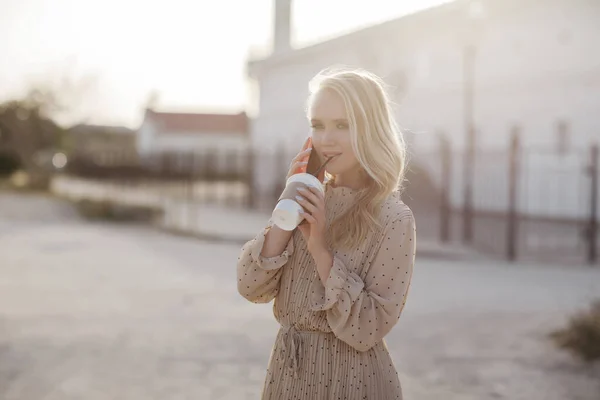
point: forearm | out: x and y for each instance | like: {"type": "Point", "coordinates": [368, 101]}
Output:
{"type": "Point", "coordinates": [258, 276]}
{"type": "Point", "coordinates": [324, 261]}
{"type": "Point", "coordinates": [275, 242]}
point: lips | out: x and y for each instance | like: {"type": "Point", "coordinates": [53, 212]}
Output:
{"type": "Point", "coordinates": [330, 155]}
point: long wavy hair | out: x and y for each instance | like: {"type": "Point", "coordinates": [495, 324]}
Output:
{"type": "Point", "coordinates": [377, 142]}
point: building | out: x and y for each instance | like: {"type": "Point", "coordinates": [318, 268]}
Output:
{"type": "Point", "coordinates": [162, 132]}
{"type": "Point", "coordinates": [490, 65]}
{"type": "Point", "coordinates": [85, 138]}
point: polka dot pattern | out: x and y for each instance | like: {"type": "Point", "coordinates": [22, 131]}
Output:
{"type": "Point", "coordinates": [258, 276]}
{"type": "Point", "coordinates": [331, 342]}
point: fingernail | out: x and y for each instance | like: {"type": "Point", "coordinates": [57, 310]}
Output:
{"type": "Point", "coordinates": [302, 190]}
{"type": "Point", "coordinates": [299, 198]}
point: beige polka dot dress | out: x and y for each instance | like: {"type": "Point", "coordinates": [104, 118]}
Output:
{"type": "Point", "coordinates": [330, 344]}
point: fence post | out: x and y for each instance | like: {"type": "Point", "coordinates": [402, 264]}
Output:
{"type": "Point", "coordinates": [512, 228]}
{"type": "Point", "coordinates": [231, 176]}
{"type": "Point", "coordinates": [282, 161]}
{"type": "Point", "coordinates": [187, 223]}
{"type": "Point", "coordinates": [446, 161]}
{"type": "Point", "coordinates": [592, 255]}
{"type": "Point", "coordinates": [250, 176]}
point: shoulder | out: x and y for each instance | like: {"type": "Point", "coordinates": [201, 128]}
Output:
{"type": "Point", "coordinates": [393, 209]}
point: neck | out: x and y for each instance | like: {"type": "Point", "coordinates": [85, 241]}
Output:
{"type": "Point", "coordinates": [352, 179]}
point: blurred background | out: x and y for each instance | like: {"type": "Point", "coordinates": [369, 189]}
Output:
{"type": "Point", "coordinates": [142, 143]}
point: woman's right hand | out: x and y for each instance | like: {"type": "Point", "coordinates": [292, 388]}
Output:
{"type": "Point", "coordinates": [277, 239]}
{"type": "Point", "coordinates": [301, 160]}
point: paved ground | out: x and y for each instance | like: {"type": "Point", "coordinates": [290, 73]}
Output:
{"type": "Point", "coordinates": [97, 311]}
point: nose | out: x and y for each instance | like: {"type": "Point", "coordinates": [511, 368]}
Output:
{"type": "Point", "coordinates": [327, 138]}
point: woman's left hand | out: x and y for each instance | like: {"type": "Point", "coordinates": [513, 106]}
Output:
{"type": "Point", "coordinates": [313, 231]}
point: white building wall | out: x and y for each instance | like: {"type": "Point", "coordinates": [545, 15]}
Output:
{"type": "Point", "coordinates": [191, 141]}
{"type": "Point", "coordinates": [145, 138]}
{"type": "Point", "coordinates": [537, 63]}
{"type": "Point", "coordinates": [227, 149]}
{"type": "Point", "coordinates": [150, 140]}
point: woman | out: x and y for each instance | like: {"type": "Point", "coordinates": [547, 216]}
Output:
{"type": "Point", "coordinates": [339, 281]}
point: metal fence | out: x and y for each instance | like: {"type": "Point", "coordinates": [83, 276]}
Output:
{"type": "Point", "coordinates": [531, 203]}
{"type": "Point", "coordinates": [527, 203]}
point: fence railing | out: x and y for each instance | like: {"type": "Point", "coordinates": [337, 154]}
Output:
{"type": "Point", "coordinates": [528, 203]}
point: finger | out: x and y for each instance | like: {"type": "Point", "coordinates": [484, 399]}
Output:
{"type": "Point", "coordinates": [295, 166]}
{"type": "Point", "coordinates": [309, 218]}
{"type": "Point", "coordinates": [298, 164]}
{"type": "Point", "coordinates": [308, 206]}
{"type": "Point", "coordinates": [310, 196]}
{"type": "Point", "coordinates": [317, 193]}
{"type": "Point", "coordinates": [302, 154]}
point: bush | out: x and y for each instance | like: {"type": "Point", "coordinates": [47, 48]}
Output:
{"type": "Point", "coordinates": [581, 337]}
{"type": "Point", "coordinates": [30, 181]}
{"type": "Point", "coordinates": [111, 211]}
{"type": "Point", "coordinates": [9, 163]}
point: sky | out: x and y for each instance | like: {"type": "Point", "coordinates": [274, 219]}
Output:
{"type": "Point", "coordinates": [190, 53]}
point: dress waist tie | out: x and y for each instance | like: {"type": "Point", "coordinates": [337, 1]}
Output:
{"type": "Point", "coordinates": [290, 347]}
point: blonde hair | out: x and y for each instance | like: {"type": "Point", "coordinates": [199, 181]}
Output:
{"type": "Point", "coordinates": [377, 143]}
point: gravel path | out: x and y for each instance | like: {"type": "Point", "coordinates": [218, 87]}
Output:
{"type": "Point", "coordinates": [99, 311]}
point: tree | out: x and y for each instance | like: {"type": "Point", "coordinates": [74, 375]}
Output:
{"type": "Point", "coordinates": [26, 132]}
{"type": "Point", "coordinates": [29, 128]}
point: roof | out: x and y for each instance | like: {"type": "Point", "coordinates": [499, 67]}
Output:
{"type": "Point", "coordinates": [101, 129]}
{"type": "Point", "coordinates": [200, 123]}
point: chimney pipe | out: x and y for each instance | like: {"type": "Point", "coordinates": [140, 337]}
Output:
{"type": "Point", "coordinates": [283, 26]}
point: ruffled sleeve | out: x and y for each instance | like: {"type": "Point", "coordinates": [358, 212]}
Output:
{"type": "Point", "coordinates": [361, 312]}
{"type": "Point", "coordinates": [340, 280]}
{"type": "Point", "coordinates": [258, 276]}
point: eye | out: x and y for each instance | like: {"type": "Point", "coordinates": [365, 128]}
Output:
{"type": "Point", "coordinates": [316, 126]}
{"type": "Point", "coordinates": [342, 126]}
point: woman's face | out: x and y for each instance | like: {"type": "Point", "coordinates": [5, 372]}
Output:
{"type": "Point", "coordinates": [331, 132]}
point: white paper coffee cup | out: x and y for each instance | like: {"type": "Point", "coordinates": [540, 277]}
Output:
{"type": "Point", "coordinates": [286, 214]}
